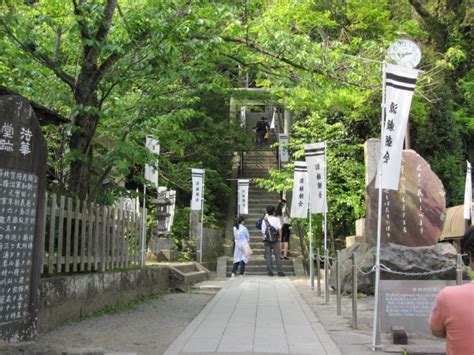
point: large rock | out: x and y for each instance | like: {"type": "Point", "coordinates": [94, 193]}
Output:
{"type": "Point", "coordinates": [398, 258]}
{"type": "Point", "coordinates": [414, 214]}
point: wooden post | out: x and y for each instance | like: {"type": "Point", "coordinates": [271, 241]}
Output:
{"type": "Point", "coordinates": [60, 234]}
{"type": "Point", "coordinates": [77, 218]}
{"type": "Point", "coordinates": [43, 232]}
{"type": "Point", "coordinates": [85, 219]}
{"type": "Point", "coordinates": [52, 234]}
{"type": "Point", "coordinates": [103, 263]}
{"type": "Point", "coordinates": [67, 258]}
{"type": "Point", "coordinates": [113, 238]}
{"type": "Point", "coordinates": [96, 223]}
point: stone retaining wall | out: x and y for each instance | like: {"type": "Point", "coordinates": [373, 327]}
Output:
{"type": "Point", "coordinates": [68, 298]}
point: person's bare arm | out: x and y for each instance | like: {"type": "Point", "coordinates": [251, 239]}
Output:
{"type": "Point", "coordinates": [437, 317]}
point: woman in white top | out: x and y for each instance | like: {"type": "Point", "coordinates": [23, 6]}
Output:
{"type": "Point", "coordinates": [242, 248]}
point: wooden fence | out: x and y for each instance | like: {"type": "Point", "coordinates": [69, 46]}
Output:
{"type": "Point", "coordinates": [82, 237]}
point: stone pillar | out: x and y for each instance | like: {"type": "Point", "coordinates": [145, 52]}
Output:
{"type": "Point", "coordinates": [286, 122]}
{"type": "Point", "coordinates": [195, 229]}
{"type": "Point", "coordinates": [232, 109]}
{"type": "Point", "coordinates": [371, 158]}
{"type": "Point", "coordinates": [23, 154]}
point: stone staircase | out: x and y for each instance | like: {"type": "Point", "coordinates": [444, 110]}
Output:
{"type": "Point", "coordinates": [257, 164]}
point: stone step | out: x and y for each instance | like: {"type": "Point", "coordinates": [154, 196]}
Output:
{"type": "Point", "coordinates": [260, 261]}
{"type": "Point", "coordinates": [263, 273]}
{"type": "Point", "coordinates": [259, 267]}
{"type": "Point", "coordinates": [260, 153]}
{"type": "Point", "coordinates": [256, 169]}
{"type": "Point", "coordinates": [252, 167]}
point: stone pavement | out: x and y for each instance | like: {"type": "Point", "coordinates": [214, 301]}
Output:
{"type": "Point", "coordinates": [239, 316]}
{"type": "Point", "coordinates": [252, 315]}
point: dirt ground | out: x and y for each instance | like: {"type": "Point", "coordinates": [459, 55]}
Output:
{"type": "Point", "coordinates": [150, 328]}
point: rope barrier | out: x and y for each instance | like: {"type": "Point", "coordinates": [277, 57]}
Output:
{"type": "Point", "coordinates": [387, 269]}
{"type": "Point", "coordinates": [425, 273]}
{"type": "Point", "coordinates": [365, 272]}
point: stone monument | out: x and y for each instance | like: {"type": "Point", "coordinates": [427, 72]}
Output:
{"type": "Point", "coordinates": [412, 221]}
{"type": "Point", "coordinates": [23, 155]}
{"type": "Point", "coordinates": [414, 214]}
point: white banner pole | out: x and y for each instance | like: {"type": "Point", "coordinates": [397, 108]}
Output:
{"type": "Point", "coordinates": [325, 202]}
{"type": "Point", "coordinates": [143, 238]}
{"type": "Point", "coordinates": [376, 341]}
{"type": "Point", "coordinates": [311, 253]}
{"type": "Point", "coordinates": [202, 219]}
{"type": "Point", "coordinates": [325, 209]}
{"type": "Point", "coordinates": [468, 193]}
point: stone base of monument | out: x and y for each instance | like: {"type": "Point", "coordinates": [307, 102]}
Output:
{"type": "Point", "coordinates": [350, 241]}
{"type": "Point", "coordinates": [162, 256]}
{"type": "Point", "coordinates": [399, 335]}
{"type": "Point", "coordinates": [398, 258]}
{"type": "Point", "coordinates": [161, 249]}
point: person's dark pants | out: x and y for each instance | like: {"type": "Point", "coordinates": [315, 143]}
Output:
{"type": "Point", "coordinates": [236, 266]}
{"type": "Point", "coordinates": [260, 137]}
{"type": "Point", "coordinates": [268, 253]}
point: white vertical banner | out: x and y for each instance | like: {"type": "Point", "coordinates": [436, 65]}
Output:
{"type": "Point", "coordinates": [399, 87]}
{"type": "Point", "coordinates": [243, 116]}
{"type": "Point", "coordinates": [274, 118]}
{"type": "Point", "coordinates": [283, 147]}
{"type": "Point", "coordinates": [315, 154]}
{"type": "Point", "coordinates": [171, 208]}
{"type": "Point", "coordinates": [198, 189]}
{"type": "Point", "coordinates": [468, 208]}
{"type": "Point", "coordinates": [151, 172]}
{"type": "Point", "coordinates": [243, 198]}
{"type": "Point", "coordinates": [300, 197]}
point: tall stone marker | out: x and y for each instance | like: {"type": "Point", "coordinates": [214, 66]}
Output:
{"type": "Point", "coordinates": [414, 214]}
{"type": "Point", "coordinates": [23, 155]}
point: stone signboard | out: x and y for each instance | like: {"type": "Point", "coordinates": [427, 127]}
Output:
{"type": "Point", "coordinates": [408, 303]}
{"type": "Point", "coordinates": [414, 214]}
{"type": "Point", "coordinates": [22, 186]}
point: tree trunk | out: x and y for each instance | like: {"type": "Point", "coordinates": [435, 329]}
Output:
{"type": "Point", "coordinates": [85, 122]}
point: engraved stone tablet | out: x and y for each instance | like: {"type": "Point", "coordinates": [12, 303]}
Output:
{"type": "Point", "coordinates": [22, 186]}
{"type": "Point", "coordinates": [408, 303]}
{"type": "Point", "coordinates": [414, 214]}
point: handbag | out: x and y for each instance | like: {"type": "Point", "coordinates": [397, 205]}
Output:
{"type": "Point", "coordinates": [266, 136]}
{"type": "Point", "coordinates": [247, 250]}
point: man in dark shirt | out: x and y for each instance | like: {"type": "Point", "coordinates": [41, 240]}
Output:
{"type": "Point", "coordinates": [262, 128]}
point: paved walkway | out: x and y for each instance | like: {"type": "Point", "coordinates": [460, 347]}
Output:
{"type": "Point", "coordinates": [249, 316]}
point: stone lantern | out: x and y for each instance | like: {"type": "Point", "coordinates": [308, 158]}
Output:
{"type": "Point", "coordinates": [160, 246]}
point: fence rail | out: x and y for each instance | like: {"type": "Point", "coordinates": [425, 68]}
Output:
{"type": "Point", "coordinates": [88, 237]}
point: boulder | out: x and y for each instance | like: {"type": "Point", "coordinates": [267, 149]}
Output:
{"type": "Point", "coordinates": [396, 257]}
{"type": "Point", "coordinates": [414, 214]}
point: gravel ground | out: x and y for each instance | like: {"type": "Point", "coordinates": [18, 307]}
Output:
{"type": "Point", "coordinates": [148, 329]}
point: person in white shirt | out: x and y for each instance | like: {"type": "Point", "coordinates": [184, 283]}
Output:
{"type": "Point", "coordinates": [241, 239]}
{"type": "Point", "coordinates": [275, 222]}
